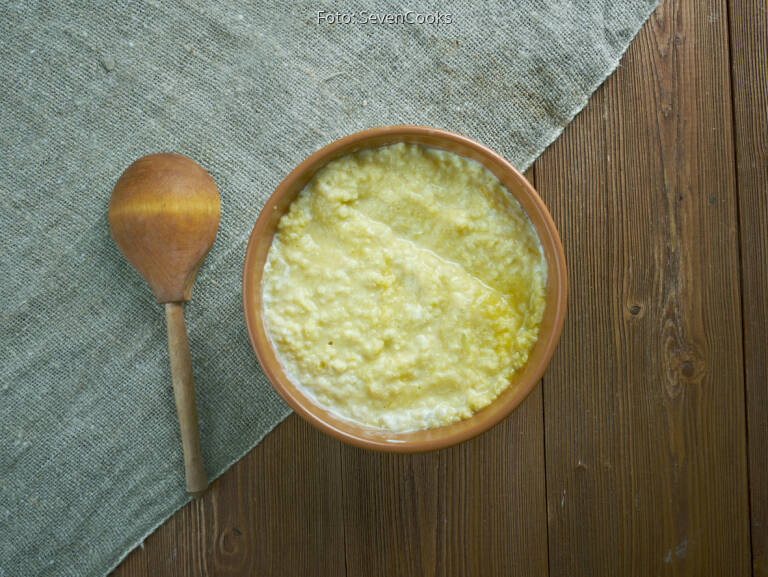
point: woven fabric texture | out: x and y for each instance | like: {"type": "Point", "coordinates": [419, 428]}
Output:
{"type": "Point", "coordinates": [90, 454]}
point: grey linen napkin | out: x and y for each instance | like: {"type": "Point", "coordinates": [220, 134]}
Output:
{"type": "Point", "coordinates": [90, 455]}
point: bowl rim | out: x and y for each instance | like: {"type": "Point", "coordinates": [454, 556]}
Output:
{"type": "Point", "coordinates": [379, 439]}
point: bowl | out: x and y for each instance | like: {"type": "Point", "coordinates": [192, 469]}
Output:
{"type": "Point", "coordinates": [524, 380]}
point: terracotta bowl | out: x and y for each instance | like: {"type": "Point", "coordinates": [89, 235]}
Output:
{"type": "Point", "coordinates": [524, 381]}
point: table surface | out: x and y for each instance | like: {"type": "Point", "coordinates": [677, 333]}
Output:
{"type": "Point", "coordinates": [644, 451]}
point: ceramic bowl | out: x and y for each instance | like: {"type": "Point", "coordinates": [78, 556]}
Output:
{"type": "Point", "coordinates": [524, 381]}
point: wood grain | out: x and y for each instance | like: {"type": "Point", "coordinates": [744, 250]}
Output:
{"type": "Point", "coordinates": [492, 506]}
{"type": "Point", "coordinates": [749, 58]}
{"type": "Point", "coordinates": [475, 509]}
{"type": "Point", "coordinates": [644, 401]}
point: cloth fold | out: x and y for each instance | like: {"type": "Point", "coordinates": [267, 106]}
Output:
{"type": "Point", "coordinates": [90, 455]}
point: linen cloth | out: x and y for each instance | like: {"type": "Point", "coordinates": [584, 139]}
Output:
{"type": "Point", "coordinates": [90, 454]}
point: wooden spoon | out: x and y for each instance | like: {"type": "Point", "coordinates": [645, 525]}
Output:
{"type": "Point", "coordinates": [164, 214]}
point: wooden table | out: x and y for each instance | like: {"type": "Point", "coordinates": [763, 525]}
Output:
{"type": "Point", "coordinates": [644, 451]}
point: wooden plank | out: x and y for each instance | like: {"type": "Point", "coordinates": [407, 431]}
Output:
{"type": "Point", "coordinates": [276, 512]}
{"type": "Point", "coordinates": [390, 513]}
{"type": "Point", "coordinates": [178, 549]}
{"type": "Point", "coordinates": [749, 68]}
{"type": "Point", "coordinates": [492, 504]}
{"type": "Point", "coordinates": [644, 400]}
{"type": "Point", "coordinates": [476, 509]}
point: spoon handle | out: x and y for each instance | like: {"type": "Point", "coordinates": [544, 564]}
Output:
{"type": "Point", "coordinates": [184, 392]}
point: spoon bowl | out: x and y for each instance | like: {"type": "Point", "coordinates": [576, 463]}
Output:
{"type": "Point", "coordinates": [164, 214]}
